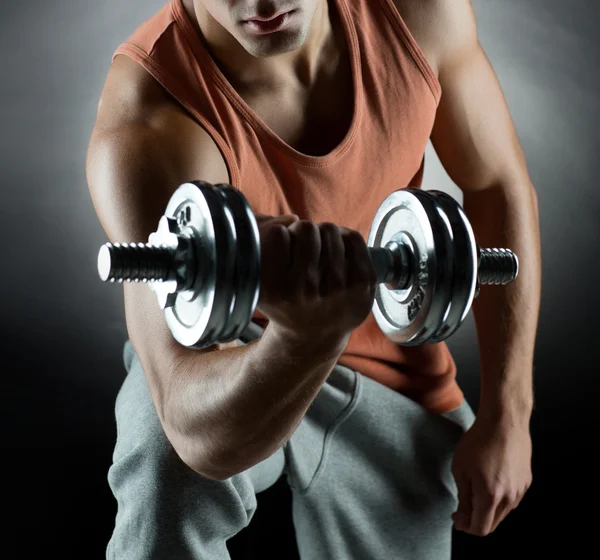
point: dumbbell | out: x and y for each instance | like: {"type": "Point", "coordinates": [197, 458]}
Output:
{"type": "Point", "coordinates": [203, 262]}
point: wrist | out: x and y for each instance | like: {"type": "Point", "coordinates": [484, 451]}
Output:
{"type": "Point", "coordinates": [300, 346]}
{"type": "Point", "coordinates": [511, 409]}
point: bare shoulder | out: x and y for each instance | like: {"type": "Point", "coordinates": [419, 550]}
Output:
{"type": "Point", "coordinates": [130, 94]}
{"type": "Point", "coordinates": [442, 28]}
{"type": "Point", "coordinates": [133, 102]}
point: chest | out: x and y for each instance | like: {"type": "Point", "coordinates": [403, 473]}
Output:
{"type": "Point", "coordinates": [313, 120]}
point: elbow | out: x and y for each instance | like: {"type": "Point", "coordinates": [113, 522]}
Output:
{"type": "Point", "coordinates": [198, 441]}
{"type": "Point", "coordinates": [218, 475]}
{"type": "Point", "coordinates": [192, 447]}
{"type": "Point", "coordinates": [212, 470]}
{"type": "Point", "coordinates": [221, 468]}
{"type": "Point", "coordinates": [208, 466]}
{"type": "Point", "coordinates": [197, 461]}
{"type": "Point", "coordinates": [192, 452]}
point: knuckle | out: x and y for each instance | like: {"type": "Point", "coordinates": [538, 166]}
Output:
{"type": "Point", "coordinates": [495, 497]}
{"type": "Point", "coordinates": [498, 500]}
{"type": "Point", "coordinates": [310, 228]}
{"type": "Point", "coordinates": [515, 497]}
{"type": "Point", "coordinates": [491, 490]}
{"type": "Point", "coordinates": [328, 228]}
{"type": "Point", "coordinates": [304, 230]}
{"type": "Point", "coordinates": [355, 237]}
{"type": "Point", "coordinates": [331, 240]}
{"type": "Point", "coordinates": [479, 529]}
{"type": "Point", "coordinates": [276, 233]}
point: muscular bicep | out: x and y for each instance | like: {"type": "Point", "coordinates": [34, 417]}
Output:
{"type": "Point", "coordinates": [130, 177]}
{"type": "Point", "coordinates": [133, 168]}
{"type": "Point", "coordinates": [473, 133]}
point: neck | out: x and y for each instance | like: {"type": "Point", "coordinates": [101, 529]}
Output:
{"type": "Point", "coordinates": [245, 70]}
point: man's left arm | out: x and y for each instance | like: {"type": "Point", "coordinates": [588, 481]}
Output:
{"type": "Point", "coordinates": [477, 144]}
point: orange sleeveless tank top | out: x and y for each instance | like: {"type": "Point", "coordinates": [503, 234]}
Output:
{"type": "Point", "coordinates": [396, 95]}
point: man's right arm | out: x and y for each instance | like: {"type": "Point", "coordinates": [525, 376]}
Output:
{"type": "Point", "coordinates": [223, 410]}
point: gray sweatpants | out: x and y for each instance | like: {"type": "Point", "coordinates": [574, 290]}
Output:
{"type": "Point", "coordinates": [369, 472]}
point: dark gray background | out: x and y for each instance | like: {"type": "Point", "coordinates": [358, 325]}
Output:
{"type": "Point", "coordinates": [63, 330]}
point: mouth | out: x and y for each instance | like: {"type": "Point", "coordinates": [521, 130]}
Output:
{"type": "Point", "coordinates": [263, 26]}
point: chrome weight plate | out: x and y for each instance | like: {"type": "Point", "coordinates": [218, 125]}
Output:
{"type": "Point", "coordinates": [464, 277]}
{"type": "Point", "coordinates": [413, 315]}
{"type": "Point", "coordinates": [246, 277]}
{"type": "Point", "coordinates": [199, 315]}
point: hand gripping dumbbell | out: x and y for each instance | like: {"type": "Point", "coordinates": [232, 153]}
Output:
{"type": "Point", "coordinates": [203, 262]}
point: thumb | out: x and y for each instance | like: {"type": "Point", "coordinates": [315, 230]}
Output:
{"type": "Point", "coordinates": [285, 219]}
{"type": "Point", "coordinates": [462, 516]}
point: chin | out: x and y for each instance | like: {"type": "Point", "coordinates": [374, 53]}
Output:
{"type": "Point", "coordinates": [275, 44]}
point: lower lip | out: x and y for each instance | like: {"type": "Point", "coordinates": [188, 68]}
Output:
{"type": "Point", "coordinates": [265, 27]}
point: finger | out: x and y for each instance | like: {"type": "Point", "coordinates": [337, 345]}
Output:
{"type": "Point", "coordinates": [306, 244]}
{"type": "Point", "coordinates": [288, 218]}
{"type": "Point", "coordinates": [509, 503]}
{"type": "Point", "coordinates": [338, 261]}
{"type": "Point", "coordinates": [462, 516]}
{"type": "Point", "coordinates": [332, 259]}
{"type": "Point", "coordinates": [505, 506]}
{"type": "Point", "coordinates": [276, 252]}
{"type": "Point", "coordinates": [285, 219]}
{"type": "Point", "coordinates": [484, 509]}
{"type": "Point", "coordinates": [357, 259]}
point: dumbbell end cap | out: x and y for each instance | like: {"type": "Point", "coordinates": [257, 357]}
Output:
{"type": "Point", "coordinates": [105, 263]}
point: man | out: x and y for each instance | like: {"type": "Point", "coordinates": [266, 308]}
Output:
{"type": "Point", "coordinates": [315, 110]}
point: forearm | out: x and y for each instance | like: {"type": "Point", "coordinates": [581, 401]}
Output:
{"type": "Point", "coordinates": [506, 317]}
{"type": "Point", "coordinates": [235, 407]}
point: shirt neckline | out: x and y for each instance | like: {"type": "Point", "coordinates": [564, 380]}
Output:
{"type": "Point", "coordinates": [248, 113]}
